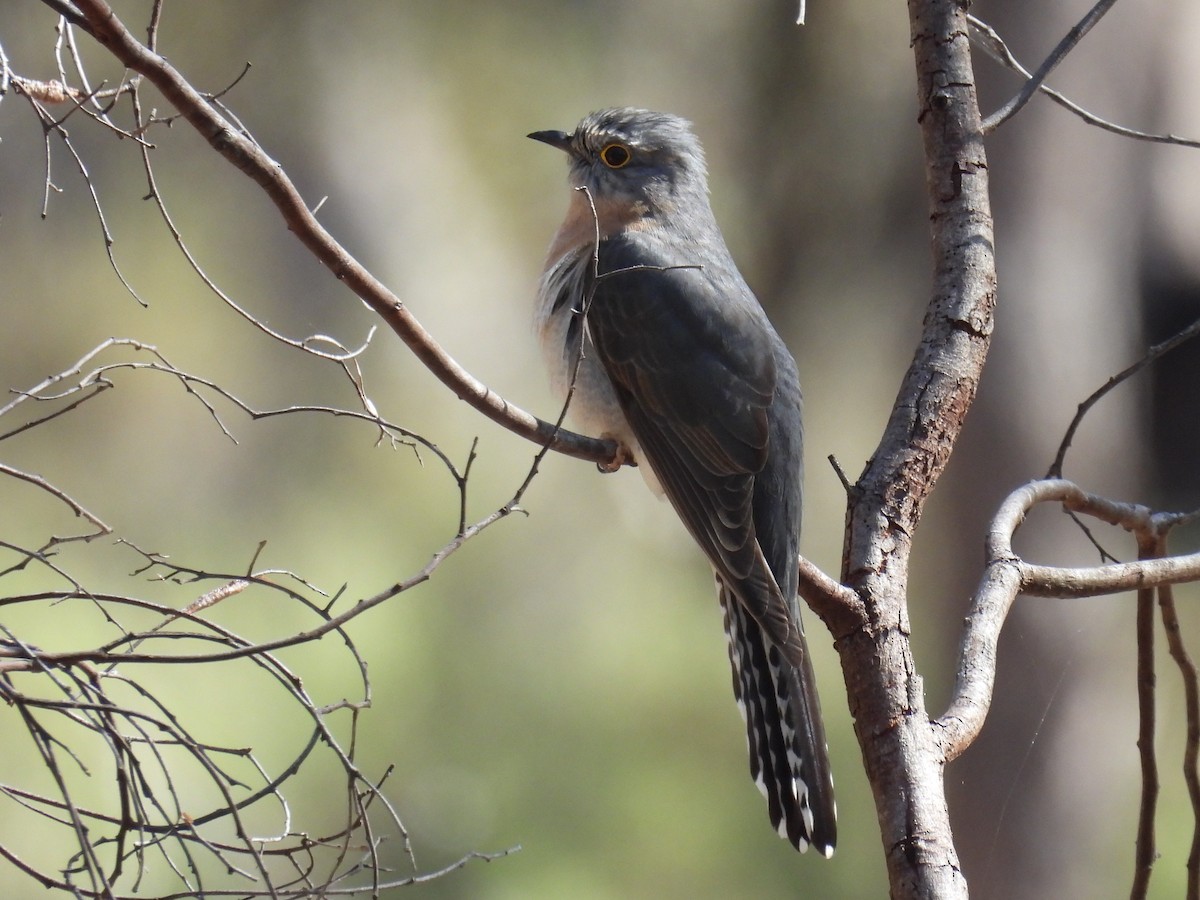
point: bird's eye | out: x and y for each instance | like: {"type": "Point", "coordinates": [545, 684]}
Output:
{"type": "Point", "coordinates": [615, 156]}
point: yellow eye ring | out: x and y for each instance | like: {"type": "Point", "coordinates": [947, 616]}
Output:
{"type": "Point", "coordinates": [615, 156]}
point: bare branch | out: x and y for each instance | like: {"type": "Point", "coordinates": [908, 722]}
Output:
{"type": "Point", "coordinates": [52, 126]}
{"type": "Point", "coordinates": [65, 701]}
{"type": "Point", "coordinates": [886, 504]}
{"type": "Point", "coordinates": [145, 738]}
{"type": "Point", "coordinates": [1191, 754]}
{"type": "Point", "coordinates": [312, 344]}
{"type": "Point", "coordinates": [248, 156]}
{"type": "Point", "coordinates": [1057, 55]}
{"type": "Point", "coordinates": [1149, 547]}
{"type": "Point", "coordinates": [840, 608]}
{"type": "Point", "coordinates": [1153, 354]}
{"type": "Point", "coordinates": [75, 507]}
{"type": "Point", "coordinates": [1006, 575]}
{"type": "Point", "coordinates": [983, 35]}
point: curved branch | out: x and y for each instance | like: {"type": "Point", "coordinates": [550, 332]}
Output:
{"type": "Point", "coordinates": [242, 151]}
{"type": "Point", "coordinates": [1006, 576]}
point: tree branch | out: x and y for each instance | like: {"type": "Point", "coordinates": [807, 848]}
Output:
{"type": "Point", "coordinates": [1154, 353]}
{"type": "Point", "coordinates": [900, 748]}
{"type": "Point", "coordinates": [1191, 752]}
{"type": "Point", "coordinates": [1057, 55]}
{"type": "Point", "coordinates": [1006, 576]}
{"type": "Point", "coordinates": [1149, 546]}
{"type": "Point", "coordinates": [986, 37]}
{"type": "Point", "coordinates": [239, 149]}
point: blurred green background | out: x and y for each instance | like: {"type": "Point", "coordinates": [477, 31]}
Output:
{"type": "Point", "coordinates": [561, 683]}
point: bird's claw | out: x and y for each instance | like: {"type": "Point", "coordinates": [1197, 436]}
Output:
{"type": "Point", "coordinates": [623, 457]}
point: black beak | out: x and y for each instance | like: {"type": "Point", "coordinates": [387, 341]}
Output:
{"type": "Point", "coordinates": [559, 139]}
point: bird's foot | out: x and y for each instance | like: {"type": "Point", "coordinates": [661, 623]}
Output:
{"type": "Point", "coordinates": [623, 457]}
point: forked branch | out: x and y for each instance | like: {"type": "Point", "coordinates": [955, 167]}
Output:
{"type": "Point", "coordinates": [1006, 575]}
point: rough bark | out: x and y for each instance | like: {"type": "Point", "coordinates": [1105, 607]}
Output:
{"type": "Point", "coordinates": [901, 748]}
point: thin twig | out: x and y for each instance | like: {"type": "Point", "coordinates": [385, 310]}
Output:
{"type": "Point", "coordinates": [983, 35]}
{"type": "Point", "coordinates": [311, 344]}
{"type": "Point", "coordinates": [1191, 753]}
{"type": "Point", "coordinates": [78, 509]}
{"type": "Point", "coordinates": [51, 126]}
{"type": "Point", "coordinates": [1057, 55]}
{"type": "Point", "coordinates": [244, 153]}
{"type": "Point", "coordinates": [1149, 547]}
{"type": "Point", "coordinates": [1152, 355]}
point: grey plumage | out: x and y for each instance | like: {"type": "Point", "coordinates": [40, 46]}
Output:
{"type": "Point", "coordinates": [681, 366]}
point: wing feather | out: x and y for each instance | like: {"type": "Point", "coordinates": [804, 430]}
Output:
{"type": "Point", "coordinates": [692, 359]}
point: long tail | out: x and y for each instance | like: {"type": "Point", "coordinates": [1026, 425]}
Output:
{"type": "Point", "coordinates": [789, 759]}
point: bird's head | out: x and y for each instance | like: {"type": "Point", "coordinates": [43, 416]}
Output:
{"type": "Point", "coordinates": [645, 159]}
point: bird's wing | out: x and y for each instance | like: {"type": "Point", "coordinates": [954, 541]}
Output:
{"type": "Point", "coordinates": [691, 358]}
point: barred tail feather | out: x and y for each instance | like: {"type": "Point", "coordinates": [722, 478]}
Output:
{"type": "Point", "coordinates": [788, 758]}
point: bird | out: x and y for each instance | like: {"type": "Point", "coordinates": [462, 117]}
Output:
{"type": "Point", "coordinates": [654, 338]}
